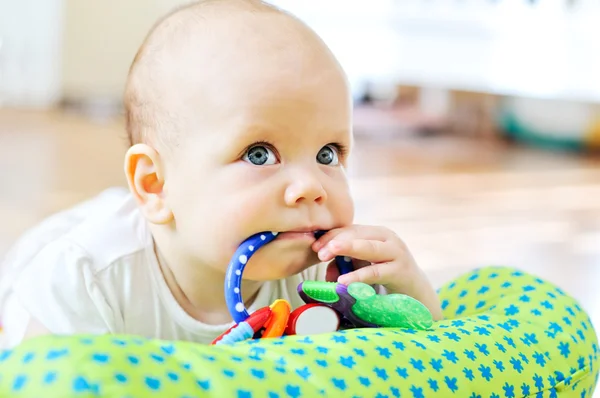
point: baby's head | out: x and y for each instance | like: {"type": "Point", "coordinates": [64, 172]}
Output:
{"type": "Point", "coordinates": [240, 122]}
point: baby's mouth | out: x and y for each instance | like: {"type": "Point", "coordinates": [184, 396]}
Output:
{"type": "Point", "coordinates": [297, 235]}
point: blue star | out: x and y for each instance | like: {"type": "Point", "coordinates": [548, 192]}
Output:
{"type": "Point", "coordinates": [457, 323]}
{"type": "Point", "coordinates": [293, 391]}
{"type": "Point", "coordinates": [506, 326]}
{"type": "Point", "coordinates": [486, 372]}
{"type": "Point", "coordinates": [402, 372]}
{"type": "Point", "coordinates": [339, 383]}
{"type": "Point", "coordinates": [482, 349]}
{"type": "Point", "coordinates": [531, 338]}
{"type": "Point", "coordinates": [436, 364]}
{"type": "Point", "coordinates": [418, 344]}
{"type": "Point", "coordinates": [509, 390]}
{"type": "Point", "coordinates": [511, 310]}
{"type": "Point", "coordinates": [482, 331]}
{"type": "Point", "coordinates": [444, 304]}
{"type": "Point", "coordinates": [474, 276]}
{"type": "Point", "coordinates": [468, 374]}
{"type": "Point", "coordinates": [364, 381]}
{"type": "Point", "coordinates": [417, 392]}
{"type": "Point", "coordinates": [433, 384]}
{"type": "Point", "coordinates": [399, 345]}
{"type": "Point", "coordinates": [461, 308]}
{"type": "Point", "coordinates": [417, 364]}
{"type": "Point", "coordinates": [483, 289]}
{"type": "Point", "coordinates": [359, 352]}
{"type": "Point", "coordinates": [525, 298]}
{"type": "Point", "coordinates": [347, 361]}
{"type": "Point", "coordinates": [539, 381]}
{"type": "Point", "coordinates": [516, 364]}
{"type": "Point", "coordinates": [510, 342]}
{"type": "Point", "coordinates": [499, 365]}
{"type": "Point", "coordinates": [524, 358]}
{"type": "Point", "coordinates": [381, 373]}
{"type": "Point", "coordinates": [395, 392]}
{"type": "Point", "coordinates": [564, 349]}
{"type": "Point", "coordinates": [384, 352]}
{"type": "Point", "coordinates": [547, 304]}
{"type": "Point", "coordinates": [500, 347]}
{"type": "Point", "coordinates": [452, 336]}
{"type": "Point", "coordinates": [304, 373]}
{"type": "Point", "coordinates": [338, 338]}
{"type": "Point", "coordinates": [450, 356]}
{"type": "Point", "coordinates": [470, 354]}
{"type": "Point", "coordinates": [451, 383]}
{"type": "Point", "coordinates": [536, 312]}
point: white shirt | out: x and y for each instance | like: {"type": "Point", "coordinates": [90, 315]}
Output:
{"type": "Point", "coordinates": [92, 269]}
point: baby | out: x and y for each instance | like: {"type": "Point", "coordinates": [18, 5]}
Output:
{"type": "Point", "coordinates": [240, 122]}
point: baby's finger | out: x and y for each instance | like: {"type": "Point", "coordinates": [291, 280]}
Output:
{"type": "Point", "coordinates": [373, 251]}
{"type": "Point", "coordinates": [371, 275]}
{"type": "Point", "coordinates": [353, 232]}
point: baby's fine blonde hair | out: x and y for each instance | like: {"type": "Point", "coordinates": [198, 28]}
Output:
{"type": "Point", "coordinates": [148, 120]}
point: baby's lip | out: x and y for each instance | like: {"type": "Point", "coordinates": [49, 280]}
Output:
{"type": "Point", "coordinates": [317, 231]}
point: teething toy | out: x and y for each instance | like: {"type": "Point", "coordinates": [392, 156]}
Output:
{"type": "Point", "coordinates": [330, 305]}
{"type": "Point", "coordinates": [245, 329]}
{"type": "Point", "coordinates": [314, 318]}
{"type": "Point", "coordinates": [363, 307]}
{"type": "Point", "coordinates": [280, 313]}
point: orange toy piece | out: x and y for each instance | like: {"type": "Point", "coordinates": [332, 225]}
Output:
{"type": "Point", "coordinates": [277, 323]}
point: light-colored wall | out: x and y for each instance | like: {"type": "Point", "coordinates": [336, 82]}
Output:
{"type": "Point", "coordinates": [100, 41]}
{"type": "Point", "coordinates": [30, 45]}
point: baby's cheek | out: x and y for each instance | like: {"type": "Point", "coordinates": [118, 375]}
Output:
{"type": "Point", "coordinates": [343, 209]}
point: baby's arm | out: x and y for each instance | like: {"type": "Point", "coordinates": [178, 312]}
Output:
{"type": "Point", "coordinates": [381, 258]}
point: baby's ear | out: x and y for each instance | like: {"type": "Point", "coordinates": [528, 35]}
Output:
{"type": "Point", "coordinates": [144, 169]}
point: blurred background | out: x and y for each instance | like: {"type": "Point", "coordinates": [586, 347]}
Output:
{"type": "Point", "coordinates": [477, 121]}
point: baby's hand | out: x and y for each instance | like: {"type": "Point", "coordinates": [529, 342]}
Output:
{"type": "Point", "coordinates": [380, 257]}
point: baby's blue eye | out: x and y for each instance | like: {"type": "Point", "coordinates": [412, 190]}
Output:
{"type": "Point", "coordinates": [328, 155]}
{"type": "Point", "coordinates": [260, 155]}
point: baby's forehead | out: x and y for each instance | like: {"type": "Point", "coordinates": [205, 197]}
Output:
{"type": "Point", "coordinates": [203, 55]}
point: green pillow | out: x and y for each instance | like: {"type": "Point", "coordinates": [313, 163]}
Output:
{"type": "Point", "coordinates": [507, 334]}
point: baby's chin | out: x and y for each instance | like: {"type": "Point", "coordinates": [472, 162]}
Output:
{"type": "Point", "coordinates": [275, 266]}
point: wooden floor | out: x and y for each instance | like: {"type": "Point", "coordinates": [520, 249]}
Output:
{"type": "Point", "coordinates": [457, 203]}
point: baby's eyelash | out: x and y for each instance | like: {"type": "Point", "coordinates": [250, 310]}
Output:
{"type": "Point", "coordinates": [268, 144]}
{"type": "Point", "coordinates": [341, 148]}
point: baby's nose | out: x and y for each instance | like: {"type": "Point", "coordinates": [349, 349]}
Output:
{"type": "Point", "coordinates": [305, 190]}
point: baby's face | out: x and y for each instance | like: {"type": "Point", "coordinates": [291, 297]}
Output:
{"type": "Point", "coordinates": [269, 153]}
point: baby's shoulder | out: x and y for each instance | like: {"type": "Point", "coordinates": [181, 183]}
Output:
{"type": "Point", "coordinates": [95, 234]}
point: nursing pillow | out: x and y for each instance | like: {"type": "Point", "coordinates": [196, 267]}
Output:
{"type": "Point", "coordinates": [506, 333]}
